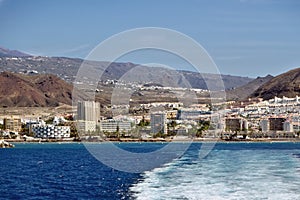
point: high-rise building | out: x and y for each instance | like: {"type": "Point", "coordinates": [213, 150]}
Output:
{"type": "Point", "coordinates": [12, 124]}
{"type": "Point", "coordinates": [88, 110]}
{"type": "Point", "coordinates": [158, 123]}
{"type": "Point", "coordinates": [88, 113]}
{"type": "Point", "coordinates": [276, 123]}
{"type": "Point", "coordinates": [288, 126]}
{"type": "Point", "coordinates": [265, 125]}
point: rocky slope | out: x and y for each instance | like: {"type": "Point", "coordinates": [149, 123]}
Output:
{"type": "Point", "coordinates": [33, 91]}
{"type": "Point", "coordinates": [242, 92]}
{"type": "Point", "coordinates": [286, 84]}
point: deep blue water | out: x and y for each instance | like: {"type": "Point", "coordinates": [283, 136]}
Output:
{"type": "Point", "coordinates": [69, 171]}
{"type": "Point", "coordinates": [59, 171]}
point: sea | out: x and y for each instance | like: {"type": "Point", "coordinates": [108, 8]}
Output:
{"type": "Point", "coordinates": [234, 170]}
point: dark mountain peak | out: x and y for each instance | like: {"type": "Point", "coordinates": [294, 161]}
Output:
{"type": "Point", "coordinates": [269, 76]}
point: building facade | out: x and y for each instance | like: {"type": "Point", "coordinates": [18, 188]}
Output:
{"type": "Point", "coordinates": [51, 131]}
{"type": "Point", "coordinates": [288, 126]}
{"type": "Point", "coordinates": [12, 124]}
{"type": "Point", "coordinates": [235, 124]}
{"type": "Point", "coordinates": [88, 114]}
{"type": "Point", "coordinates": [191, 114]}
{"type": "Point", "coordinates": [265, 125]}
{"type": "Point", "coordinates": [115, 126]}
{"type": "Point", "coordinates": [276, 123]}
{"type": "Point", "coordinates": [158, 123]}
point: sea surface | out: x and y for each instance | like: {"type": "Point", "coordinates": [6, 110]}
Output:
{"type": "Point", "coordinates": [229, 171]}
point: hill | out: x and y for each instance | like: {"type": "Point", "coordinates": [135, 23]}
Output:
{"type": "Point", "coordinates": [242, 92]}
{"type": "Point", "coordinates": [12, 53]}
{"type": "Point", "coordinates": [67, 68]}
{"type": "Point", "coordinates": [286, 84]}
{"type": "Point", "coordinates": [33, 91]}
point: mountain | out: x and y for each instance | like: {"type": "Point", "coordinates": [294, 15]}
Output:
{"type": "Point", "coordinates": [67, 68]}
{"type": "Point", "coordinates": [286, 84]}
{"type": "Point", "coordinates": [242, 92]}
{"type": "Point", "coordinates": [196, 80]}
{"type": "Point", "coordinates": [33, 91]}
{"type": "Point", "coordinates": [11, 53]}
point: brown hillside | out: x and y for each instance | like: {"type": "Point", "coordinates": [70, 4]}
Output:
{"type": "Point", "coordinates": [287, 84]}
{"type": "Point", "coordinates": [33, 91]}
{"type": "Point", "coordinates": [242, 92]}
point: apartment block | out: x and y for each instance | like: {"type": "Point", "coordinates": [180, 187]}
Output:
{"type": "Point", "coordinates": [114, 126]}
{"type": "Point", "coordinates": [158, 123]}
{"type": "Point", "coordinates": [51, 131]}
{"type": "Point", "coordinates": [88, 114]}
{"type": "Point", "coordinates": [12, 124]}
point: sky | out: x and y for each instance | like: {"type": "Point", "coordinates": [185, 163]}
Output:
{"type": "Point", "coordinates": [244, 37]}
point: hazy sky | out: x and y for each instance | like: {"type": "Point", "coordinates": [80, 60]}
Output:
{"type": "Point", "coordinates": [244, 37]}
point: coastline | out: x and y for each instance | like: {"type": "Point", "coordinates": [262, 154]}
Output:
{"type": "Point", "coordinates": [153, 140]}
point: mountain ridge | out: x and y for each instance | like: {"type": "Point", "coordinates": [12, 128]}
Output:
{"type": "Point", "coordinates": [67, 68]}
{"type": "Point", "coordinates": [12, 53]}
{"type": "Point", "coordinates": [286, 84]}
{"type": "Point", "coordinates": [242, 92]}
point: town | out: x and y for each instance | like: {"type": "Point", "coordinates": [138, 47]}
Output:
{"type": "Point", "coordinates": [250, 120]}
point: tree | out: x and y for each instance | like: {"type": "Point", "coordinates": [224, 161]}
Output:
{"type": "Point", "coordinates": [143, 122]}
{"type": "Point", "coordinates": [203, 126]}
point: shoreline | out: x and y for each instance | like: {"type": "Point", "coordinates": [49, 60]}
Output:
{"type": "Point", "coordinates": [155, 140]}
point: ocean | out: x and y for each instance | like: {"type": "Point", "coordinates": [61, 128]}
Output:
{"type": "Point", "coordinates": [228, 171]}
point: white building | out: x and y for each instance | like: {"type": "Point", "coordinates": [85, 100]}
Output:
{"type": "Point", "coordinates": [86, 126]}
{"type": "Point", "coordinates": [288, 126]}
{"type": "Point", "coordinates": [114, 126]}
{"type": "Point", "coordinates": [264, 125]}
{"type": "Point", "coordinates": [158, 123]}
{"type": "Point", "coordinates": [190, 114]}
{"type": "Point", "coordinates": [88, 113]}
{"type": "Point", "coordinates": [58, 120]}
{"type": "Point", "coordinates": [51, 131]}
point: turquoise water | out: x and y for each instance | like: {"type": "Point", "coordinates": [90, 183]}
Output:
{"type": "Point", "coordinates": [229, 171]}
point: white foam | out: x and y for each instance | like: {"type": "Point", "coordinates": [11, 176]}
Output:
{"type": "Point", "coordinates": [261, 174]}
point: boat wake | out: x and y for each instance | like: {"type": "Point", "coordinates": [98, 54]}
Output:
{"type": "Point", "coordinates": [224, 174]}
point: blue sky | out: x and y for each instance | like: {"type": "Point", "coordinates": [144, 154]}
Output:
{"type": "Point", "coordinates": [244, 37]}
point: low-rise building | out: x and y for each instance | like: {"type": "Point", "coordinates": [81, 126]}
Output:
{"type": "Point", "coordinates": [172, 114]}
{"type": "Point", "coordinates": [115, 126]}
{"type": "Point", "coordinates": [235, 124]}
{"type": "Point", "coordinates": [276, 123]}
{"type": "Point", "coordinates": [51, 131]}
{"type": "Point", "coordinates": [191, 114]}
{"type": "Point", "coordinates": [84, 126]}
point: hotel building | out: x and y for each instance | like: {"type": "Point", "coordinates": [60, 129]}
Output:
{"type": "Point", "coordinates": [158, 122]}
{"type": "Point", "coordinates": [88, 113]}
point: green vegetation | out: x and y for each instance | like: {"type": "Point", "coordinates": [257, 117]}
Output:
{"type": "Point", "coordinates": [159, 135]}
{"type": "Point", "coordinates": [203, 126]}
{"type": "Point", "coordinates": [144, 123]}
